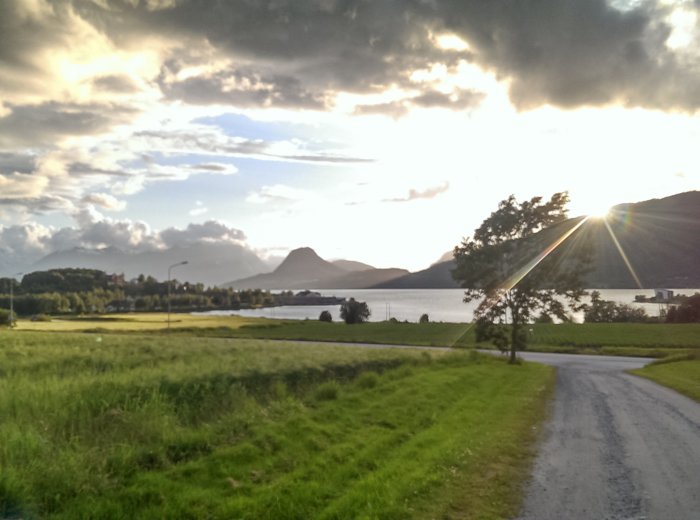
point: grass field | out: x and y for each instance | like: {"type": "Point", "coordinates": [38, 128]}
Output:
{"type": "Point", "coordinates": [640, 339]}
{"type": "Point", "coordinates": [682, 374]}
{"type": "Point", "coordinates": [154, 426]}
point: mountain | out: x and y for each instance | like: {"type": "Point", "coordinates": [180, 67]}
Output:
{"type": "Point", "coordinates": [208, 263]}
{"type": "Point", "coordinates": [351, 265]}
{"type": "Point", "coordinates": [660, 239]}
{"type": "Point", "coordinates": [304, 269]}
{"type": "Point", "coordinates": [437, 276]}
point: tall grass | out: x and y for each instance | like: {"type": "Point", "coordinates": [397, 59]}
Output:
{"type": "Point", "coordinates": [176, 427]}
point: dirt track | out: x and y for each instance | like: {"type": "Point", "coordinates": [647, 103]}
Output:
{"type": "Point", "coordinates": [616, 447]}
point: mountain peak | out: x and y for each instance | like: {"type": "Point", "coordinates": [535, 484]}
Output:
{"type": "Point", "coordinates": [305, 262]}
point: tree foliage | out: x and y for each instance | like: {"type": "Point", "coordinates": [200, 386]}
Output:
{"type": "Point", "coordinates": [325, 316]}
{"type": "Point", "coordinates": [512, 265]}
{"type": "Point", "coordinates": [603, 311]}
{"type": "Point", "coordinates": [687, 312]}
{"type": "Point", "coordinates": [352, 311]}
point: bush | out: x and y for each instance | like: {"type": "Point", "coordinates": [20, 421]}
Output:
{"type": "Point", "coordinates": [325, 316]}
{"type": "Point", "coordinates": [41, 317]}
{"type": "Point", "coordinates": [424, 319]}
{"type": "Point", "coordinates": [352, 311]}
{"type": "Point", "coordinates": [5, 320]}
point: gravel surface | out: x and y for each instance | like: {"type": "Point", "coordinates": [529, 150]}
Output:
{"type": "Point", "coordinates": [617, 447]}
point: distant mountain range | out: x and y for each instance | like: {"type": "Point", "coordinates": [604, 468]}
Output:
{"type": "Point", "coordinates": [659, 237]}
{"type": "Point", "coordinates": [208, 263]}
{"type": "Point", "coordinates": [304, 269]}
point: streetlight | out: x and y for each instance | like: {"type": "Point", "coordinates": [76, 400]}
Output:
{"type": "Point", "coordinates": [12, 301]}
{"type": "Point", "coordinates": [169, 269]}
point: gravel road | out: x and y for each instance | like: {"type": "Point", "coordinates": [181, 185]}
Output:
{"type": "Point", "coordinates": [617, 447]}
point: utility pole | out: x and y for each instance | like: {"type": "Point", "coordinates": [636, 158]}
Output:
{"type": "Point", "coordinates": [170, 268]}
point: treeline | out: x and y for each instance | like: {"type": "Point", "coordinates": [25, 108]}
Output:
{"type": "Point", "coordinates": [602, 311]}
{"type": "Point", "coordinates": [82, 291]}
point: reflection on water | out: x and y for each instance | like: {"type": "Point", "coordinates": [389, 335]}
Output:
{"type": "Point", "coordinates": [410, 304]}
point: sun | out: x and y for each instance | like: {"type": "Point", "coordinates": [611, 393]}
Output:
{"type": "Point", "coordinates": [600, 211]}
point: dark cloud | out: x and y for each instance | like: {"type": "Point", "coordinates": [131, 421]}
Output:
{"type": "Point", "coordinates": [563, 52]}
{"type": "Point", "coordinates": [577, 52]}
{"type": "Point", "coordinates": [43, 124]}
{"type": "Point", "coordinates": [243, 89]}
{"type": "Point", "coordinates": [116, 84]}
{"type": "Point", "coordinates": [457, 100]}
{"type": "Point", "coordinates": [429, 193]}
{"type": "Point", "coordinates": [20, 162]}
{"type": "Point", "coordinates": [300, 53]}
{"type": "Point", "coordinates": [27, 29]}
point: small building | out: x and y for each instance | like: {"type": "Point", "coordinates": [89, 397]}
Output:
{"type": "Point", "coordinates": [663, 295]}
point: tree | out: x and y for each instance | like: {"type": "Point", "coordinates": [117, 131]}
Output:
{"type": "Point", "coordinates": [602, 311]}
{"type": "Point", "coordinates": [352, 311]}
{"type": "Point", "coordinates": [424, 319]}
{"type": "Point", "coordinates": [523, 258]}
{"type": "Point", "coordinates": [325, 316]}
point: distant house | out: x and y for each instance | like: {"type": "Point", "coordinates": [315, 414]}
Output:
{"type": "Point", "coordinates": [663, 295]}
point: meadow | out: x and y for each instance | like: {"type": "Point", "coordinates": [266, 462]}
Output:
{"type": "Point", "coordinates": [153, 426]}
{"type": "Point", "coordinates": [636, 339]}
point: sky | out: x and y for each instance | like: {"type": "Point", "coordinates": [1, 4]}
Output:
{"type": "Point", "coordinates": [379, 131]}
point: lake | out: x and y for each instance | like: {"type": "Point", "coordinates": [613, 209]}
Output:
{"type": "Point", "coordinates": [410, 304]}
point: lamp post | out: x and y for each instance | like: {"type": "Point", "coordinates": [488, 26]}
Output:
{"type": "Point", "coordinates": [12, 299]}
{"type": "Point", "coordinates": [170, 268]}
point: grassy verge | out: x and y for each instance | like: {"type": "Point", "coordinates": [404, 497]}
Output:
{"type": "Point", "coordinates": [681, 373]}
{"type": "Point", "coordinates": [151, 427]}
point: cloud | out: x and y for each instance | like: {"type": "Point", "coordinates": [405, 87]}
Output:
{"type": "Point", "coordinates": [43, 124]}
{"type": "Point", "coordinates": [276, 194]}
{"type": "Point", "coordinates": [458, 99]}
{"type": "Point", "coordinates": [573, 53]}
{"type": "Point", "coordinates": [214, 168]}
{"type": "Point", "coordinates": [301, 54]}
{"type": "Point", "coordinates": [115, 83]}
{"type": "Point", "coordinates": [23, 244]}
{"type": "Point", "coordinates": [429, 193]}
{"type": "Point", "coordinates": [209, 231]}
{"type": "Point", "coordinates": [104, 200]}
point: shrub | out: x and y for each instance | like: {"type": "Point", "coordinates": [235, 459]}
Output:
{"type": "Point", "coordinates": [424, 319]}
{"type": "Point", "coordinates": [5, 320]}
{"type": "Point", "coordinates": [325, 316]}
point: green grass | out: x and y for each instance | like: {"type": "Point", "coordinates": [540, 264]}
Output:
{"type": "Point", "coordinates": [153, 426]}
{"type": "Point", "coordinates": [681, 373]}
{"type": "Point", "coordinates": [641, 339]}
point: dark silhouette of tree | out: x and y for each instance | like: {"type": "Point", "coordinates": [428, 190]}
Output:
{"type": "Point", "coordinates": [506, 265]}
{"type": "Point", "coordinates": [325, 316]}
{"type": "Point", "coordinates": [352, 311]}
{"type": "Point", "coordinates": [424, 319]}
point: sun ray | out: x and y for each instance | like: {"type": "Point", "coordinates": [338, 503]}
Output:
{"type": "Point", "coordinates": [517, 277]}
{"type": "Point", "coordinates": [622, 254]}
